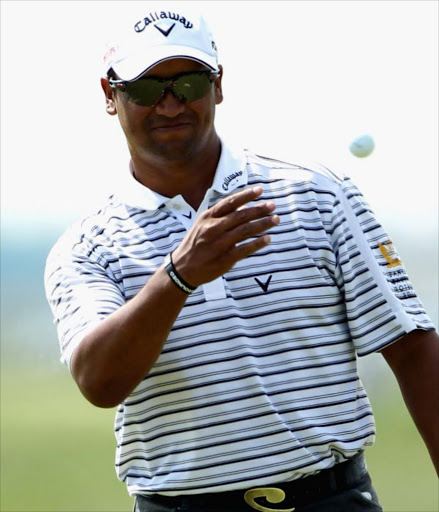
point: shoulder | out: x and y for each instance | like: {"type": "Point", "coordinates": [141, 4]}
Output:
{"type": "Point", "coordinates": [83, 236]}
{"type": "Point", "coordinates": [297, 171]}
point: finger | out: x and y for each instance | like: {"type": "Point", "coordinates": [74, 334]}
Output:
{"type": "Point", "coordinates": [235, 201]}
{"type": "Point", "coordinates": [244, 250]}
{"type": "Point", "coordinates": [245, 215]}
{"type": "Point", "coordinates": [251, 229]}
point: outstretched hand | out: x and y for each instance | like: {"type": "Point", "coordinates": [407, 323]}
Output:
{"type": "Point", "coordinates": [223, 235]}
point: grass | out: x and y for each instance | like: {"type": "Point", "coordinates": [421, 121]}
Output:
{"type": "Point", "coordinates": [57, 451]}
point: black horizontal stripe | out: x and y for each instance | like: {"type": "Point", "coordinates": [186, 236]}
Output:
{"type": "Point", "coordinates": [260, 314]}
{"type": "Point", "coordinates": [133, 456]}
{"type": "Point", "coordinates": [241, 419]}
{"type": "Point", "coordinates": [155, 373]}
{"type": "Point", "coordinates": [170, 448]}
{"type": "Point", "coordinates": [213, 377]}
{"type": "Point", "coordinates": [211, 404]}
{"type": "Point", "coordinates": [266, 455]}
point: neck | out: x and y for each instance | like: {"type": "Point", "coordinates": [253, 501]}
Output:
{"type": "Point", "coordinates": [190, 177]}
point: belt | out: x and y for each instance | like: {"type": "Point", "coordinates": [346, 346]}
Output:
{"type": "Point", "coordinates": [288, 495]}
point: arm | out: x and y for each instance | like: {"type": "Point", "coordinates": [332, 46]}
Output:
{"type": "Point", "coordinates": [115, 356]}
{"type": "Point", "coordinates": [414, 360]}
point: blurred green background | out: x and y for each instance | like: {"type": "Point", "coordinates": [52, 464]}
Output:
{"type": "Point", "coordinates": [57, 450]}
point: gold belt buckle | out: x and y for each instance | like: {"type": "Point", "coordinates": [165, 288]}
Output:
{"type": "Point", "coordinates": [271, 494]}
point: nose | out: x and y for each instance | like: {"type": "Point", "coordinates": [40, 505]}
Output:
{"type": "Point", "coordinates": [169, 105]}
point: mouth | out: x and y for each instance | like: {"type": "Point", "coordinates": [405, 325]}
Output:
{"type": "Point", "coordinates": [161, 124]}
{"type": "Point", "coordinates": [166, 128]}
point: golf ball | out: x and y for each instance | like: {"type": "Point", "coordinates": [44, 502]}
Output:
{"type": "Point", "coordinates": [362, 146]}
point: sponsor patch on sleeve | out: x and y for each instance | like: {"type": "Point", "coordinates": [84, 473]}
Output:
{"type": "Point", "coordinates": [389, 253]}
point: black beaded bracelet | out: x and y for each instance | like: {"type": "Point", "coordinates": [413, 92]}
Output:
{"type": "Point", "coordinates": [176, 278]}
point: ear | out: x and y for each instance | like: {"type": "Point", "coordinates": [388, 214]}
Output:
{"type": "Point", "coordinates": [218, 87]}
{"type": "Point", "coordinates": [109, 97]}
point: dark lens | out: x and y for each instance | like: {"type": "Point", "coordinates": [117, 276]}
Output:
{"type": "Point", "coordinates": [145, 92]}
{"type": "Point", "coordinates": [192, 86]}
{"type": "Point", "coordinates": [187, 87]}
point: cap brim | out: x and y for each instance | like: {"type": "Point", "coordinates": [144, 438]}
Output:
{"type": "Point", "coordinates": [140, 62]}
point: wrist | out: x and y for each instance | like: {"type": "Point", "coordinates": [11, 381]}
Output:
{"type": "Point", "coordinates": [176, 277]}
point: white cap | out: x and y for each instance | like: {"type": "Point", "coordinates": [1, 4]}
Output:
{"type": "Point", "coordinates": [157, 36]}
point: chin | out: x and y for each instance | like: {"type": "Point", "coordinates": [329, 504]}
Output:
{"type": "Point", "coordinates": [175, 150]}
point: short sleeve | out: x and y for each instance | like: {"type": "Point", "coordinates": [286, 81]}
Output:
{"type": "Point", "coordinates": [381, 303]}
{"type": "Point", "coordinates": [80, 288]}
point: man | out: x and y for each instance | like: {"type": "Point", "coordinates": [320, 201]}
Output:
{"type": "Point", "coordinates": [220, 298]}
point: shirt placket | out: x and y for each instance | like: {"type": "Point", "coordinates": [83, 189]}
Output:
{"type": "Point", "coordinates": [187, 216]}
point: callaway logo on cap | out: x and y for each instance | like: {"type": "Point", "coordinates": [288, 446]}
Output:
{"type": "Point", "coordinates": [158, 36]}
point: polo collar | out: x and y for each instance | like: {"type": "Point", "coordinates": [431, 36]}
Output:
{"type": "Point", "coordinates": [231, 173]}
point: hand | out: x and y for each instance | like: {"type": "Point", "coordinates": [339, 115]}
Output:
{"type": "Point", "coordinates": [220, 237]}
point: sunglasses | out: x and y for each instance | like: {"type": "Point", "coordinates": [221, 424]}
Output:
{"type": "Point", "coordinates": [186, 87]}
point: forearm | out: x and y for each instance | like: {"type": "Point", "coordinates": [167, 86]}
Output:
{"type": "Point", "coordinates": [416, 368]}
{"type": "Point", "coordinates": [113, 359]}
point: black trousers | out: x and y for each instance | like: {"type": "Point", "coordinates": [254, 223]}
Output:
{"type": "Point", "coordinates": [345, 488]}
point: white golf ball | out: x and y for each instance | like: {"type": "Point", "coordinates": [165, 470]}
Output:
{"type": "Point", "coordinates": [362, 146]}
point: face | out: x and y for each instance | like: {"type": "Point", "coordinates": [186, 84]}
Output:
{"type": "Point", "coordinates": [170, 130]}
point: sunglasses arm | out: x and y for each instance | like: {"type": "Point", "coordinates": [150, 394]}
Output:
{"type": "Point", "coordinates": [119, 85]}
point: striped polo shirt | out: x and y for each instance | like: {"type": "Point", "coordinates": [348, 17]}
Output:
{"type": "Point", "coordinates": [257, 382]}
